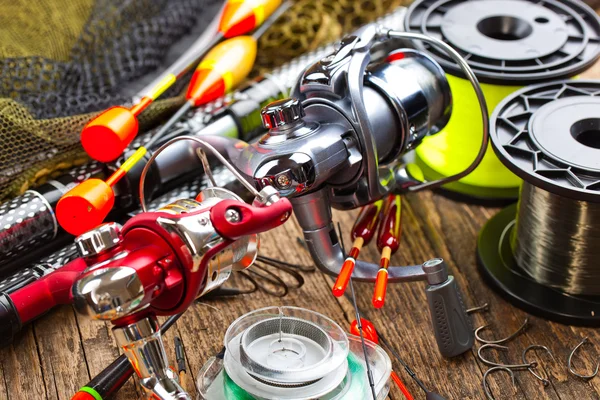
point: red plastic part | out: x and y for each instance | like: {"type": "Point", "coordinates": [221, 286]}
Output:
{"type": "Point", "coordinates": [380, 288]}
{"type": "Point", "coordinates": [366, 223]}
{"type": "Point", "coordinates": [253, 219]}
{"type": "Point", "coordinates": [206, 85]}
{"type": "Point", "coordinates": [85, 206]}
{"type": "Point", "coordinates": [343, 278]}
{"type": "Point", "coordinates": [105, 137]}
{"type": "Point", "coordinates": [47, 292]}
{"type": "Point", "coordinates": [395, 56]}
{"type": "Point", "coordinates": [82, 396]}
{"type": "Point", "coordinates": [369, 331]}
{"type": "Point", "coordinates": [401, 386]}
{"type": "Point", "coordinates": [237, 19]}
{"type": "Point", "coordinates": [180, 297]}
{"type": "Point", "coordinates": [390, 229]}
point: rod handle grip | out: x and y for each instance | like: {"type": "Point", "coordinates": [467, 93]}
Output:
{"type": "Point", "coordinates": [10, 322]}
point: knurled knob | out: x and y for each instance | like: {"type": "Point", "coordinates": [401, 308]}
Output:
{"type": "Point", "coordinates": [99, 239]}
{"type": "Point", "coordinates": [282, 112]}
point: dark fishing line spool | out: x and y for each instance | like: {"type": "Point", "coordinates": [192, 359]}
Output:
{"type": "Point", "coordinates": [543, 254]}
{"type": "Point", "coordinates": [508, 44]}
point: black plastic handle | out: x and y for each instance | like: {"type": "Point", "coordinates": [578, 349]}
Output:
{"type": "Point", "coordinates": [451, 324]}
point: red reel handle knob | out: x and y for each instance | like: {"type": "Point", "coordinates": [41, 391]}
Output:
{"type": "Point", "coordinates": [234, 219]}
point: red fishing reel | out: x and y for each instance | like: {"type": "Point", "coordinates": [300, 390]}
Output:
{"type": "Point", "coordinates": [159, 262]}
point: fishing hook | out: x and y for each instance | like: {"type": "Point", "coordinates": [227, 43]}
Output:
{"type": "Point", "coordinates": [274, 262]}
{"type": "Point", "coordinates": [572, 371]}
{"type": "Point", "coordinates": [532, 364]}
{"type": "Point", "coordinates": [545, 381]}
{"type": "Point", "coordinates": [285, 269]}
{"type": "Point", "coordinates": [486, 388]}
{"type": "Point", "coordinates": [483, 307]}
{"type": "Point", "coordinates": [500, 341]}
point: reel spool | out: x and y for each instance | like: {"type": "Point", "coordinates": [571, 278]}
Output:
{"type": "Point", "coordinates": [541, 254]}
{"type": "Point", "coordinates": [290, 353]}
{"type": "Point", "coordinates": [508, 44]}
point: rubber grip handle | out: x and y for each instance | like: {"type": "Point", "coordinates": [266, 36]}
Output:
{"type": "Point", "coordinates": [451, 324]}
{"type": "Point", "coordinates": [252, 219]}
{"type": "Point", "coordinates": [380, 288]}
{"type": "Point", "coordinates": [10, 323]}
{"type": "Point", "coordinates": [25, 222]}
{"type": "Point", "coordinates": [341, 283]}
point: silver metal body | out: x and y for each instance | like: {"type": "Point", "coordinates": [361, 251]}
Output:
{"type": "Point", "coordinates": [342, 146]}
{"type": "Point", "coordinates": [99, 240]}
{"type": "Point", "coordinates": [142, 344]}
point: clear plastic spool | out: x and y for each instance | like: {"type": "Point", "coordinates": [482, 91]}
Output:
{"type": "Point", "coordinates": [274, 349]}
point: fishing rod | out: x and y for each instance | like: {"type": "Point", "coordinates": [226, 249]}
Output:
{"type": "Point", "coordinates": [106, 136]}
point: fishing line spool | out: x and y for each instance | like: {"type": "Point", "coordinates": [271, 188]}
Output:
{"type": "Point", "coordinates": [542, 254]}
{"type": "Point", "coordinates": [508, 44]}
{"type": "Point", "coordinates": [292, 353]}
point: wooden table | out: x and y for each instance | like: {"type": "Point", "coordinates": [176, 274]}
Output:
{"type": "Point", "coordinates": [61, 351]}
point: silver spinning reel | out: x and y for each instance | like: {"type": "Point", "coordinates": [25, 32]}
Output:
{"type": "Point", "coordinates": [339, 142]}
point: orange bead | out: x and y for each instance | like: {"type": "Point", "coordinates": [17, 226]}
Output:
{"type": "Point", "coordinates": [105, 137]}
{"type": "Point", "coordinates": [369, 331]}
{"type": "Point", "coordinates": [85, 206]}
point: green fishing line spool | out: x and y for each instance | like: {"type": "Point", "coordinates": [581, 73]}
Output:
{"type": "Point", "coordinates": [289, 353]}
{"type": "Point", "coordinates": [508, 44]}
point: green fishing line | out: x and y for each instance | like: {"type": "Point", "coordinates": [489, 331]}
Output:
{"type": "Point", "coordinates": [357, 390]}
{"type": "Point", "coordinates": [455, 147]}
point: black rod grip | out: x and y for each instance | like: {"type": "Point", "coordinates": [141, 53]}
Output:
{"type": "Point", "coordinates": [10, 323]}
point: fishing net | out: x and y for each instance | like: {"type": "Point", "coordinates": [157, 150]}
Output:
{"type": "Point", "coordinates": [64, 61]}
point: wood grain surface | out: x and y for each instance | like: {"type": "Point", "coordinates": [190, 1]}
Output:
{"type": "Point", "coordinates": [62, 351]}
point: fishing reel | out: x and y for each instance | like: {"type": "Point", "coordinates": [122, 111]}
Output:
{"type": "Point", "coordinates": [339, 142]}
{"type": "Point", "coordinates": [159, 262]}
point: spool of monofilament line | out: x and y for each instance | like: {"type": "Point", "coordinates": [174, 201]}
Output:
{"type": "Point", "coordinates": [289, 353]}
{"type": "Point", "coordinates": [542, 254]}
{"type": "Point", "coordinates": [508, 44]}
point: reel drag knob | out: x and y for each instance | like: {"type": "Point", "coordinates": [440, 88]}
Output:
{"type": "Point", "coordinates": [282, 115]}
{"type": "Point", "coordinates": [98, 240]}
